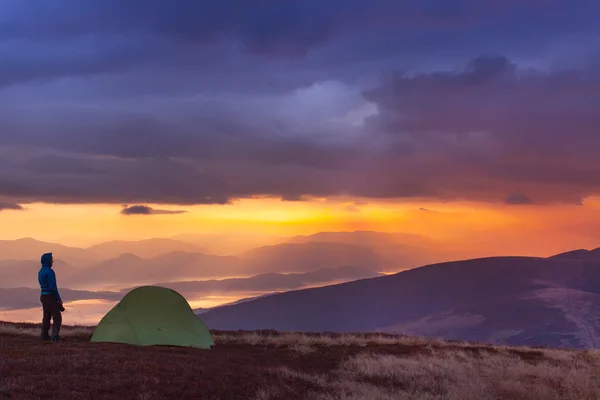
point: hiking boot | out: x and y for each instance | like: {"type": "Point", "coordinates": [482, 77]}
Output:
{"type": "Point", "coordinates": [55, 339]}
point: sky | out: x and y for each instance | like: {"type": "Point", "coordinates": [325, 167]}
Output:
{"type": "Point", "coordinates": [451, 118]}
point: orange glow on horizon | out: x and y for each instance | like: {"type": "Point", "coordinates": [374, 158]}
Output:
{"type": "Point", "coordinates": [492, 227]}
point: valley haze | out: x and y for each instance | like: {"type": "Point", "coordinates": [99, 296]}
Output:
{"type": "Point", "coordinates": [331, 282]}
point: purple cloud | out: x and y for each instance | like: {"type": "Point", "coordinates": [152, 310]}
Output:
{"type": "Point", "coordinates": [195, 103]}
{"type": "Point", "coordinates": [10, 206]}
{"type": "Point", "coordinates": [97, 37]}
{"type": "Point", "coordinates": [518, 199]}
{"type": "Point", "coordinates": [146, 210]}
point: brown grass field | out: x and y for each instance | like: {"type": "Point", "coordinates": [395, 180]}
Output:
{"type": "Point", "coordinates": [270, 365]}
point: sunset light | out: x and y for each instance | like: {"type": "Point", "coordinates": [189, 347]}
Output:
{"type": "Point", "coordinates": [309, 199]}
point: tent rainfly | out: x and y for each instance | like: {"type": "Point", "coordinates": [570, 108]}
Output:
{"type": "Point", "coordinates": [153, 315]}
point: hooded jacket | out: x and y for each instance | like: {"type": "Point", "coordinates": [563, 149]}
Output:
{"type": "Point", "coordinates": [47, 277]}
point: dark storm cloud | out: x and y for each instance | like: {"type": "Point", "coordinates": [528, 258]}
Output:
{"type": "Point", "coordinates": [262, 24]}
{"type": "Point", "coordinates": [53, 164]}
{"type": "Point", "coordinates": [496, 136]}
{"type": "Point", "coordinates": [147, 210]}
{"type": "Point", "coordinates": [519, 109]}
{"type": "Point", "coordinates": [193, 102]}
{"type": "Point", "coordinates": [104, 36]}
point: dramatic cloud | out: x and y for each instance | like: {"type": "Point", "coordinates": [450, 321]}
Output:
{"type": "Point", "coordinates": [110, 36]}
{"type": "Point", "coordinates": [10, 206]}
{"type": "Point", "coordinates": [146, 210]}
{"type": "Point", "coordinates": [193, 102]}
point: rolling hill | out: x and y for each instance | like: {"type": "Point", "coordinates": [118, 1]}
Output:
{"type": "Point", "coordinates": [513, 300]}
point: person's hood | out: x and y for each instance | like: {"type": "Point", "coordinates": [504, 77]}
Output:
{"type": "Point", "coordinates": [46, 258]}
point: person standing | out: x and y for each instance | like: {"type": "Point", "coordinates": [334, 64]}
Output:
{"type": "Point", "coordinates": [52, 304]}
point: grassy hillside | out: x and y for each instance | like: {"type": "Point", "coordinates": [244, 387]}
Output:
{"type": "Point", "coordinates": [267, 365]}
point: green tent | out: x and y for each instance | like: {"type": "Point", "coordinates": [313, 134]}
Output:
{"type": "Point", "coordinates": [153, 315]}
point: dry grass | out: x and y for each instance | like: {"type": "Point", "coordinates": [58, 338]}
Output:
{"type": "Point", "coordinates": [270, 365]}
{"type": "Point", "coordinates": [323, 340]}
{"type": "Point", "coordinates": [298, 342]}
{"type": "Point", "coordinates": [34, 330]}
{"type": "Point", "coordinates": [455, 375]}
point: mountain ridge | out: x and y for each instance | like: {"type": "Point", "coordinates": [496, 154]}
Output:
{"type": "Point", "coordinates": [507, 299]}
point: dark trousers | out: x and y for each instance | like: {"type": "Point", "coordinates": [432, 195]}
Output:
{"type": "Point", "coordinates": [51, 309]}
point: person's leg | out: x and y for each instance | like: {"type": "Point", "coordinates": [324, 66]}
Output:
{"type": "Point", "coordinates": [46, 314]}
{"type": "Point", "coordinates": [56, 322]}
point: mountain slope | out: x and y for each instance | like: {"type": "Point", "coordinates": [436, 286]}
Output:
{"type": "Point", "coordinates": [515, 300]}
{"type": "Point", "coordinates": [580, 254]}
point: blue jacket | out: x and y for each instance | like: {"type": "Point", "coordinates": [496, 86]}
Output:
{"type": "Point", "coordinates": [47, 277]}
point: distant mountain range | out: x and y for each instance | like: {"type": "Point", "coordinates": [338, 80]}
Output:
{"type": "Point", "coordinates": [20, 273]}
{"type": "Point", "coordinates": [514, 300]}
{"type": "Point", "coordinates": [148, 248]}
{"type": "Point", "coordinates": [230, 243]}
{"type": "Point", "coordinates": [126, 263]}
{"type": "Point", "coordinates": [302, 257]}
{"type": "Point", "coordinates": [28, 249]}
{"type": "Point", "coordinates": [398, 249]}
{"type": "Point", "coordinates": [394, 247]}
{"type": "Point", "coordinates": [22, 297]}
{"type": "Point", "coordinates": [272, 281]}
